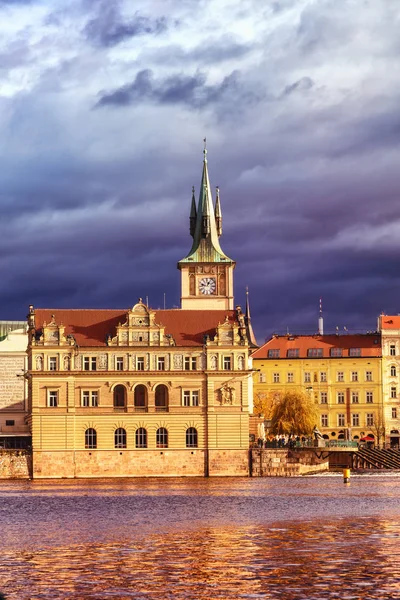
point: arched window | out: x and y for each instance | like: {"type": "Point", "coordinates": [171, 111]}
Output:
{"type": "Point", "coordinates": [191, 437]}
{"type": "Point", "coordinates": [141, 438]}
{"type": "Point", "coordinates": [161, 400]}
{"type": "Point", "coordinates": [120, 438]}
{"type": "Point", "coordinates": [140, 398]}
{"type": "Point", "coordinates": [393, 371]}
{"type": "Point", "coordinates": [120, 398]}
{"type": "Point", "coordinates": [162, 438]}
{"type": "Point", "coordinates": [90, 438]}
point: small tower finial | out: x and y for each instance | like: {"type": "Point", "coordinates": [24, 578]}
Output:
{"type": "Point", "coordinates": [320, 319]}
{"type": "Point", "coordinates": [205, 148]}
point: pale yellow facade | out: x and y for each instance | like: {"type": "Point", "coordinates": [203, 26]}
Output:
{"type": "Point", "coordinates": [143, 392]}
{"type": "Point", "coordinates": [347, 390]}
{"type": "Point", "coordinates": [389, 327]}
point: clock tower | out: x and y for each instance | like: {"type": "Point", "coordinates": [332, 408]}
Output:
{"type": "Point", "coordinates": [206, 272]}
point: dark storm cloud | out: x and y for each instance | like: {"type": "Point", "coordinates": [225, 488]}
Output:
{"type": "Point", "coordinates": [109, 29]}
{"type": "Point", "coordinates": [191, 90]}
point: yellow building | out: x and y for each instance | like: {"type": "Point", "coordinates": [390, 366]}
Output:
{"type": "Point", "coordinates": [389, 327]}
{"type": "Point", "coordinates": [140, 392]}
{"type": "Point", "coordinates": [342, 373]}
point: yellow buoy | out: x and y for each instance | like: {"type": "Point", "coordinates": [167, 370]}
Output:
{"type": "Point", "coordinates": [346, 475]}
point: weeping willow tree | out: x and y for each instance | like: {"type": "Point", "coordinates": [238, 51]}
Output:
{"type": "Point", "coordinates": [295, 413]}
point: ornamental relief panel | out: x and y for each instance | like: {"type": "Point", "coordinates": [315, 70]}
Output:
{"type": "Point", "coordinates": [123, 337]}
{"type": "Point", "coordinates": [78, 362]}
{"type": "Point", "coordinates": [102, 362]}
{"type": "Point", "coordinates": [202, 362]}
{"type": "Point", "coordinates": [156, 336]}
{"type": "Point", "coordinates": [227, 394]}
{"type": "Point", "coordinates": [52, 336]}
{"type": "Point", "coordinates": [178, 362]}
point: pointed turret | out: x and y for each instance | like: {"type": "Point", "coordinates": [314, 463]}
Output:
{"type": "Point", "coordinates": [250, 333]}
{"type": "Point", "coordinates": [193, 214]}
{"type": "Point", "coordinates": [206, 224]}
{"type": "Point", "coordinates": [218, 214]}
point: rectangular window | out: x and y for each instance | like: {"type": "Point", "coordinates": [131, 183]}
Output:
{"type": "Point", "coordinates": [53, 363]}
{"type": "Point", "coordinates": [393, 391]}
{"type": "Point", "coordinates": [261, 377]}
{"type": "Point", "coordinates": [392, 350]}
{"type": "Point", "coordinates": [276, 377]}
{"type": "Point", "coordinates": [324, 397]}
{"type": "Point", "coordinates": [355, 420]}
{"type": "Point", "coordinates": [394, 413]}
{"type": "Point", "coordinates": [273, 353]}
{"type": "Point", "coordinates": [340, 397]}
{"type": "Point", "coordinates": [325, 420]}
{"type": "Point", "coordinates": [293, 353]}
{"type": "Point", "coordinates": [341, 420]}
{"type": "Point", "coordinates": [355, 352]}
{"type": "Point", "coordinates": [323, 377]}
{"type": "Point", "coordinates": [90, 398]}
{"type": "Point", "coordinates": [119, 363]}
{"type": "Point", "coordinates": [186, 398]}
{"type": "Point", "coordinates": [190, 363]}
{"type": "Point", "coordinates": [354, 375]}
{"type": "Point", "coordinates": [290, 377]}
{"type": "Point", "coordinates": [227, 363]}
{"type": "Point", "coordinates": [369, 397]}
{"type": "Point", "coordinates": [89, 363]}
{"type": "Point", "coordinates": [307, 377]}
{"type": "Point", "coordinates": [340, 376]}
{"type": "Point", "coordinates": [336, 352]}
{"type": "Point", "coordinates": [53, 398]}
{"type": "Point", "coordinates": [10, 422]}
{"type": "Point", "coordinates": [191, 398]}
{"type": "Point", "coordinates": [315, 352]}
{"type": "Point", "coordinates": [354, 397]}
{"type": "Point", "coordinates": [161, 363]}
{"type": "Point", "coordinates": [140, 363]}
{"type": "Point", "coordinates": [368, 375]}
{"type": "Point", "coordinates": [369, 419]}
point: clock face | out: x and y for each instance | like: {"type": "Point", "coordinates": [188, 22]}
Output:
{"type": "Point", "coordinates": [207, 286]}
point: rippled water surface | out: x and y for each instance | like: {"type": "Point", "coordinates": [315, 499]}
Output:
{"type": "Point", "coordinates": [292, 539]}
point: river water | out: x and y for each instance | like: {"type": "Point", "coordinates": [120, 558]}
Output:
{"type": "Point", "coordinates": [301, 538]}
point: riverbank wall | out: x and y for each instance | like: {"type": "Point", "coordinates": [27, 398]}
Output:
{"type": "Point", "coordinates": [15, 464]}
{"type": "Point", "coordinates": [285, 462]}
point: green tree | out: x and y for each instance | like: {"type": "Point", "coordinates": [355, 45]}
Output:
{"type": "Point", "coordinates": [294, 413]}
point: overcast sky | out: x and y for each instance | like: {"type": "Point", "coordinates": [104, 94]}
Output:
{"type": "Point", "coordinates": [103, 108]}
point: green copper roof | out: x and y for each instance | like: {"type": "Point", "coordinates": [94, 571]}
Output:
{"type": "Point", "coordinates": [205, 247]}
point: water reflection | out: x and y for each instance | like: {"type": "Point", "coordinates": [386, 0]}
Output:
{"type": "Point", "coordinates": [188, 540]}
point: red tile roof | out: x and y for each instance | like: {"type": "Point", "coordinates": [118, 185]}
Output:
{"type": "Point", "coordinates": [369, 344]}
{"type": "Point", "coordinates": [390, 322]}
{"type": "Point", "coordinates": [90, 327]}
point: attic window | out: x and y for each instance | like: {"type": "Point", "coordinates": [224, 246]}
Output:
{"type": "Point", "coordinates": [293, 353]}
{"type": "Point", "coordinates": [315, 352]}
{"type": "Point", "coordinates": [355, 352]}
{"type": "Point", "coordinates": [336, 352]}
{"type": "Point", "coordinates": [273, 353]}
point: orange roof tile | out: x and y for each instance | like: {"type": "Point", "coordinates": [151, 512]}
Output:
{"type": "Point", "coordinates": [369, 344]}
{"type": "Point", "coordinates": [390, 322]}
{"type": "Point", "coordinates": [90, 327]}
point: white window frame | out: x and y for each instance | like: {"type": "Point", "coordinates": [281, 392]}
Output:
{"type": "Point", "coordinates": [340, 395]}
{"type": "Point", "coordinates": [290, 377]}
{"type": "Point", "coordinates": [119, 363]}
{"type": "Point", "coordinates": [190, 398]}
{"type": "Point", "coordinates": [140, 362]}
{"type": "Point", "coordinates": [369, 419]}
{"type": "Point", "coordinates": [369, 397]}
{"type": "Point", "coordinates": [325, 420]}
{"type": "Point", "coordinates": [340, 376]}
{"type": "Point", "coordinates": [323, 378]}
{"type": "Point", "coordinates": [341, 420]}
{"type": "Point", "coordinates": [227, 363]}
{"type": "Point", "coordinates": [354, 376]}
{"type": "Point", "coordinates": [161, 363]}
{"type": "Point", "coordinates": [355, 420]}
{"type": "Point", "coordinates": [90, 362]}
{"type": "Point", "coordinates": [276, 378]}
{"type": "Point", "coordinates": [324, 397]}
{"type": "Point", "coordinates": [307, 377]}
{"type": "Point", "coordinates": [89, 398]}
{"type": "Point", "coordinates": [355, 397]}
{"type": "Point", "coordinates": [394, 412]}
{"type": "Point", "coordinates": [52, 398]}
{"type": "Point", "coordinates": [53, 363]}
{"type": "Point", "coordinates": [393, 391]}
{"type": "Point", "coordinates": [368, 376]}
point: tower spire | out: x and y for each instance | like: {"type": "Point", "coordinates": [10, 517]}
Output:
{"type": "Point", "coordinates": [193, 214]}
{"type": "Point", "coordinates": [250, 332]}
{"type": "Point", "coordinates": [320, 319]}
{"type": "Point", "coordinates": [218, 213]}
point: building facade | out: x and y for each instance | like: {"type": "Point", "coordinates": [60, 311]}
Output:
{"type": "Point", "coordinates": [142, 392]}
{"type": "Point", "coordinates": [14, 430]}
{"type": "Point", "coordinates": [389, 328]}
{"type": "Point", "coordinates": [342, 373]}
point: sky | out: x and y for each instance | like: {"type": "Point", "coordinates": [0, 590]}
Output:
{"type": "Point", "coordinates": [104, 105]}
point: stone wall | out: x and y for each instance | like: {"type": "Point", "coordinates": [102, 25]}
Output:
{"type": "Point", "coordinates": [15, 464]}
{"type": "Point", "coordinates": [285, 462]}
